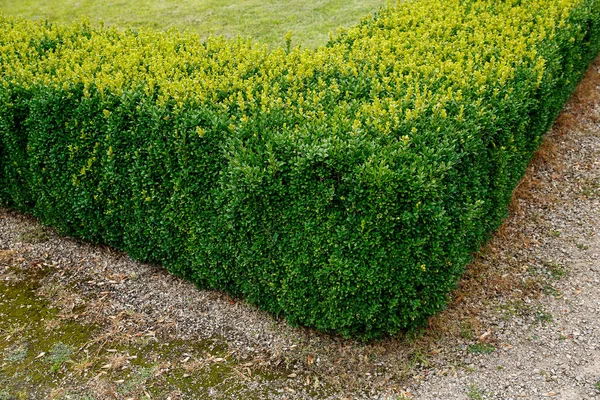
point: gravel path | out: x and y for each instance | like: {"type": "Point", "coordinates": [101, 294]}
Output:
{"type": "Point", "coordinates": [524, 322]}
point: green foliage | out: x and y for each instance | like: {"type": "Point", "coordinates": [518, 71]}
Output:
{"type": "Point", "coordinates": [481, 348]}
{"type": "Point", "coordinates": [344, 188]}
{"type": "Point", "coordinates": [59, 354]}
{"type": "Point", "coordinates": [17, 353]}
{"type": "Point", "coordinates": [475, 392]}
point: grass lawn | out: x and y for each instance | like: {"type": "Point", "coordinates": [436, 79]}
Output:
{"type": "Point", "coordinates": [265, 20]}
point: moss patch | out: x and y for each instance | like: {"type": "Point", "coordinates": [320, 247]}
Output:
{"type": "Point", "coordinates": [44, 353]}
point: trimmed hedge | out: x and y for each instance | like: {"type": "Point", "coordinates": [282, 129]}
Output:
{"type": "Point", "coordinates": [344, 188]}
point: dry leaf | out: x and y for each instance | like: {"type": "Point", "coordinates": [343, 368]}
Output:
{"type": "Point", "coordinates": [485, 335]}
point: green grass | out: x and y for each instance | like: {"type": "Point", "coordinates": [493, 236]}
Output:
{"type": "Point", "coordinates": [481, 348]}
{"type": "Point", "coordinates": [265, 20]}
{"type": "Point", "coordinates": [474, 392]}
{"type": "Point", "coordinates": [59, 354]}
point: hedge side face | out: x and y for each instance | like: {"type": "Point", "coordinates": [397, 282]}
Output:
{"type": "Point", "coordinates": [343, 188]}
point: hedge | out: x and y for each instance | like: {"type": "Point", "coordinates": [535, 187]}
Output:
{"type": "Point", "coordinates": [344, 188]}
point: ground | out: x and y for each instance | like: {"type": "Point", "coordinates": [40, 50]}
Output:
{"type": "Point", "coordinates": [79, 321]}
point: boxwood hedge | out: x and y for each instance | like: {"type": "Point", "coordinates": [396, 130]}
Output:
{"type": "Point", "coordinates": [344, 188]}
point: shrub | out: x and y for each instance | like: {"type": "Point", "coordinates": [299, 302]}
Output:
{"type": "Point", "coordinates": [344, 188]}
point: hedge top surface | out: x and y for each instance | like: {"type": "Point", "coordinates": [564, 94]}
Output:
{"type": "Point", "coordinates": [413, 54]}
